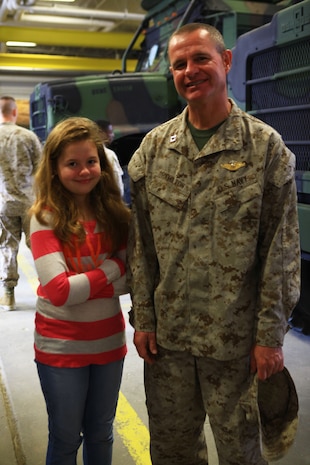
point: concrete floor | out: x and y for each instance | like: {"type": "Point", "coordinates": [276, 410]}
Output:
{"type": "Point", "coordinates": [23, 419]}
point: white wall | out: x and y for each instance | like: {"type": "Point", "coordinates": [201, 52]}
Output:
{"type": "Point", "coordinates": [20, 85]}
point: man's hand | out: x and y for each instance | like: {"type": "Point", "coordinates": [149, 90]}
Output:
{"type": "Point", "coordinates": [146, 345]}
{"type": "Point", "coordinates": [266, 361]}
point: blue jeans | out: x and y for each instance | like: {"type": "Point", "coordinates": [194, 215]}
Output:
{"type": "Point", "coordinates": [81, 405]}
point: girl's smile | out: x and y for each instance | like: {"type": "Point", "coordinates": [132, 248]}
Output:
{"type": "Point", "coordinates": [78, 167]}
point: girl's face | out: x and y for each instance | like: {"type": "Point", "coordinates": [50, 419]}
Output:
{"type": "Point", "coordinates": [78, 168]}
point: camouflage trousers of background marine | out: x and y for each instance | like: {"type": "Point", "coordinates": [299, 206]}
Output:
{"type": "Point", "coordinates": [11, 229]}
{"type": "Point", "coordinates": [180, 390]}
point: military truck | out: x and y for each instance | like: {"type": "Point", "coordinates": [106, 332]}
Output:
{"type": "Point", "coordinates": [270, 76]}
{"type": "Point", "coordinates": [138, 101]}
{"type": "Point", "coordinates": [135, 102]}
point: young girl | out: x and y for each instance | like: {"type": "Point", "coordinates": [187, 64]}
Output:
{"type": "Point", "coordinates": [79, 230]}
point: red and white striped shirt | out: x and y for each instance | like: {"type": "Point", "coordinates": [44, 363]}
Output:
{"type": "Point", "coordinates": [78, 315]}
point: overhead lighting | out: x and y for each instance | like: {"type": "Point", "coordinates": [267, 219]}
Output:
{"type": "Point", "coordinates": [60, 1]}
{"type": "Point", "coordinates": [15, 43]}
{"type": "Point", "coordinates": [68, 22]}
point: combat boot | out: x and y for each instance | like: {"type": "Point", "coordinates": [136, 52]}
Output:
{"type": "Point", "coordinates": [7, 300]}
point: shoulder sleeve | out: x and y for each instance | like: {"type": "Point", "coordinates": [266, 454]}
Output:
{"type": "Point", "coordinates": [142, 269]}
{"type": "Point", "coordinates": [279, 250]}
{"type": "Point", "coordinates": [136, 166]}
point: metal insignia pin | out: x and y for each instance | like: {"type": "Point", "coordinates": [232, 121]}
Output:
{"type": "Point", "coordinates": [233, 165]}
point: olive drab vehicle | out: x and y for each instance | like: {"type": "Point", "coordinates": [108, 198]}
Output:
{"type": "Point", "coordinates": [270, 76]}
{"type": "Point", "coordinates": [135, 102]}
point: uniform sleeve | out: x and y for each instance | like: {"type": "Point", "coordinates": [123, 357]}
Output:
{"type": "Point", "coordinates": [142, 269]}
{"type": "Point", "coordinates": [36, 152]}
{"type": "Point", "coordinates": [57, 283]}
{"type": "Point", "coordinates": [279, 248]}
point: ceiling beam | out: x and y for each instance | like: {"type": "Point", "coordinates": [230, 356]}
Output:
{"type": "Point", "coordinates": [66, 38]}
{"type": "Point", "coordinates": [36, 62]}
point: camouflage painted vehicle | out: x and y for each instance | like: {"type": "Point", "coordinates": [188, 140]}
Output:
{"type": "Point", "coordinates": [136, 102]}
{"type": "Point", "coordinates": [270, 76]}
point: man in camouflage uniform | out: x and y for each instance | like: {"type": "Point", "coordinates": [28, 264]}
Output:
{"type": "Point", "coordinates": [20, 152]}
{"type": "Point", "coordinates": [213, 260]}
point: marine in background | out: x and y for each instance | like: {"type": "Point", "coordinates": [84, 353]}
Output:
{"type": "Point", "coordinates": [20, 153]}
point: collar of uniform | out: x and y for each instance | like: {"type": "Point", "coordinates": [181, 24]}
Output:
{"type": "Point", "coordinates": [177, 136]}
{"type": "Point", "coordinates": [227, 137]}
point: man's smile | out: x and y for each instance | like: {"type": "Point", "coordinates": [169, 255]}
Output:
{"type": "Point", "coordinates": [195, 83]}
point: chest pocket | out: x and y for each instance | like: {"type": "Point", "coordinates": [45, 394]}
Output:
{"type": "Point", "coordinates": [173, 193]}
{"type": "Point", "coordinates": [232, 199]}
{"type": "Point", "coordinates": [235, 225]}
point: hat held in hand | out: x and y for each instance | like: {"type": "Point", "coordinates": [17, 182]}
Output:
{"type": "Point", "coordinates": [278, 407]}
{"type": "Point", "coordinates": [274, 402]}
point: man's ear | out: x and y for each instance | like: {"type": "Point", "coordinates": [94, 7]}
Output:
{"type": "Point", "coordinates": [227, 59]}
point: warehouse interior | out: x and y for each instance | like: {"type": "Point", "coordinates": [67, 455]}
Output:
{"type": "Point", "coordinates": [46, 40]}
{"type": "Point", "coordinates": [43, 40]}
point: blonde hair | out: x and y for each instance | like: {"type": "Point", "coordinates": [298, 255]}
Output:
{"type": "Point", "coordinates": [55, 202]}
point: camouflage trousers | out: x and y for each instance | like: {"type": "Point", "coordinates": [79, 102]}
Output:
{"type": "Point", "coordinates": [180, 390]}
{"type": "Point", "coordinates": [11, 228]}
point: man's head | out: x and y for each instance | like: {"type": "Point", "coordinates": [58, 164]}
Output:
{"type": "Point", "coordinates": [107, 130]}
{"type": "Point", "coordinates": [199, 62]}
{"type": "Point", "coordinates": [8, 109]}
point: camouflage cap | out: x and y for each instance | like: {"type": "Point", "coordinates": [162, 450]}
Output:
{"type": "Point", "coordinates": [278, 407]}
{"type": "Point", "coordinates": [274, 404]}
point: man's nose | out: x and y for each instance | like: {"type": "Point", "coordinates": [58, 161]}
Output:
{"type": "Point", "coordinates": [191, 68]}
